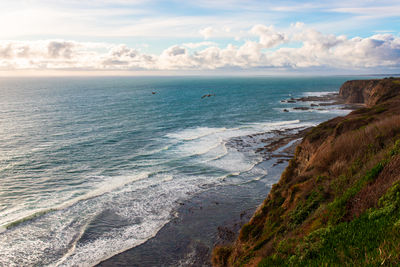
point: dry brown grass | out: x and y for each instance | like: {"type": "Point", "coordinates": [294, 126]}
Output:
{"type": "Point", "coordinates": [368, 196]}
{"type": "Point", "coordinates": [220, 255]}
{"type": "Point", "coordinates": [336, 156]}
{"type": "Point", "coordinates": [338, 167]}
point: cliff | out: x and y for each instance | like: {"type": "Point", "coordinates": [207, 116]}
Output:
{"type": "Point", "coordinates": [338, 201]}
{"type": "Point", "coordinates": [368, 92]}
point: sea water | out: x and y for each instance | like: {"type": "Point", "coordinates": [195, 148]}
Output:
{"type": "Point", "coordinates": [90, 167]}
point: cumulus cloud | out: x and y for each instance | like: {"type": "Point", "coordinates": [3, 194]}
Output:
{"type": "Point", "coordinates": [268, 36]}
{"type": "Point", "coordinates": [58, 49]}
{"type": "Point", "coordinates": [123, 51]}
{"type": "Point", "coordinates": [312, 49]}
{"type": "Point", "coordinates": [207, 32]}
{"type": "Point", "coordinates": [123, 57]}
{"type": "Point", "coordinates": [6, 51]}
{"type": "Point", "coordinates": [175, 51]}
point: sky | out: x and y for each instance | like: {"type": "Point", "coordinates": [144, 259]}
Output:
{"type": "Point", "coordinates": [141, 37]}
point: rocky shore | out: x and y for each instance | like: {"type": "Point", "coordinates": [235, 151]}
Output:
{"type": "Point", "coordinates": [337, 203]}
{"type": "Point", "coordinates": [216, 215]}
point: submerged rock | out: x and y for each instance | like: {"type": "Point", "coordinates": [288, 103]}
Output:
{"type": "Point", "coordinates": [301, 108]}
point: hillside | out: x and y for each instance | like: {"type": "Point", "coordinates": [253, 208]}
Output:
{"type": "Point", "coordinates": [338, 201]}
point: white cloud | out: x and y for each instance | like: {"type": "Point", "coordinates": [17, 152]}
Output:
{"type": "Point", "coordinates": [296, 48]}
{"type": "Point", "coordinates": [371, 11]}
{"type": "Point", "coordinates": [207, 32]}
{"type": "Point", "coordinates": [58, 49]}
{"type": "Point", "coordinates": [200, 44]}
{"type": "Point", "coordinates": [112, 19]}
{"type": "Point", "coordinates": [268, 36]}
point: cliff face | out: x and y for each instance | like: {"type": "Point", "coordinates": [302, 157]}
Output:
{"type": "Point", "coordinates": [357, 91]}
{"type": "Point", "coordinates": [338, 201]}
{"type": "Point", "coordinates": [368, 92]}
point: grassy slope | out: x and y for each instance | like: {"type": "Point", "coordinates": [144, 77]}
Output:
{"type": "Point", "coordinates": [338, 201]}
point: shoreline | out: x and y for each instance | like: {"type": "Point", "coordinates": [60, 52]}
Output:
{"type": "Point", "coordinates": [215, 216]}
{"type": "Point", "coordinates": [333, 200]}
{"type": "Point", "coordinates": [219, 212]}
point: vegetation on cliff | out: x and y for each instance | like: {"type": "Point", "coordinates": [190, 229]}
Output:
{"type": "Point", "coordinates": [338, 201]}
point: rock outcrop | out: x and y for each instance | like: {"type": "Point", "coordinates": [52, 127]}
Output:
{"type": "Point", "coordinates": [338, 201]}
{"type": "Point", "coordinates": [369, 92]}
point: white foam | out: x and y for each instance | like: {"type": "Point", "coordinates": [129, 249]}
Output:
{"type": "Point", "coordinates": [331, 110]}
{"type": "Point", "coordinates": [194, 133]}
{"type": "Point", "coordinates": [199, 146]}
{"type": "Point", "coordinates": [210, 140]}
{"type": "Point", "coordinates": [61, 230]}
{"type": "Point", "coordinates": [278, 123]}
{"type": "Point", "coordinates": [318, 94]}
{"type": "Point", "coordinates": [146, 152]}
{"type": "Point", "coordinates": [95, 186]}
{"type": "Point", "coordinates": [147, 195]}
{"type": "Point", "coordinates": [334, 110]}
{"type": "Point", "coordinates": [215, 154]}
{"type": "Point", "coordinates": [108, 184]}
{"type": "Point", "coordinates": [167, 177]}
{"type": "Point", "coordinates": [233, 162]}
{"type": "Point", "coordinates": [73, 247]}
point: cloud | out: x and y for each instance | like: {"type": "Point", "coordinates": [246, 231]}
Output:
{"type": "Point", "coordinates": [110, 20]}
{"type": "Point", "coordinates": [175, 51]}
{"type": "Point", "coordinates": [268, 36]}
{"type": "Point", "coordinates": [297, 48]}
{"type": "Point", "coordinates": [6, 51]}
{"type": "Point", "coordinates": [58, 49]}
{"type": "Point", "coordinates": [207, 32]}
{"type": "Point", "coordinates": [121, 57]}
{"type": "Point", "coordinates": [200, 44]}
{"type": "Point", "coordinates": [123, 51]}
{"type": "Point", "coordinates": [381, 10]}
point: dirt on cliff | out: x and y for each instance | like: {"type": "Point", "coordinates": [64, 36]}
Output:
{"type": "Point", "coordinates": [369, 92]}
{"type": "Point", "coordinates": [338, 201]}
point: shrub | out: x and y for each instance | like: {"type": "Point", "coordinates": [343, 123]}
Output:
{"type": "Point", "coordinates": [221, 255]}
{"type": "Point", "coordinates": [304, 209]}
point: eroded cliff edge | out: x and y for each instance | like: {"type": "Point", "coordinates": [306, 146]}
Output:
{"type": "Point", "coordinates": [338, 201]}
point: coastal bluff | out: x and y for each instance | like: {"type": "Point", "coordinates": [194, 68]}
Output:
{"type": "Point", "coordinates": [368, 92]}
{"type": "Point", "coordinates": [338, 201]}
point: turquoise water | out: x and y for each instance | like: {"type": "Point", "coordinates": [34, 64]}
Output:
{"type": "Point", "coordinates": [108, 150]}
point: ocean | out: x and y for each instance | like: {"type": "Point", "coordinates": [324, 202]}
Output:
{"type": "Point", "coordinates": [91, 167]}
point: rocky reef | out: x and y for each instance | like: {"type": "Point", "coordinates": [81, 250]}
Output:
{"type": "Point", "coordinates": [338, 201]}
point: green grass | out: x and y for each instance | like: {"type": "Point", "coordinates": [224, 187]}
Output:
{"type": "Point", "coordinates": [396, 81]}
{"type": "Point", "coordinates": [319, 131]}
{"type": "Point", "coordinates": [305, 208]}
{"type": "Point", "coordinates": [337, 208]}
{"type": "Point", "coordinates": [369, 240]}
{"type": "Point", "coordinates": [359, 241]}
{"type": "Point", "coordinates": [312, 217]}
{"type": "Point", "coordinates": [250, 231]}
